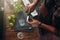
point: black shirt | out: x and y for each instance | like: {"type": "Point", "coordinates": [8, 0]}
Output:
{"type": "Point", "coordinates": [51, 7]}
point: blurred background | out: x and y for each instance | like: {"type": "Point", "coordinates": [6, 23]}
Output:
{"type": "Point", "coordinates": [1, 19]}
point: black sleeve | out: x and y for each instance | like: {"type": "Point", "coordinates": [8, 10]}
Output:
{"type": "Point", "coordinates": [50, 4]}
{"type": "Point", "coordinates": [57, 33]}
{"type": "Point", "coordinates": [56, 23]}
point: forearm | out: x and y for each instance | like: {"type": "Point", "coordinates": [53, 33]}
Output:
{"type": "Point", "coordinates": [35, 2]}
{"type": "Point", "coordinates": [48, 27]}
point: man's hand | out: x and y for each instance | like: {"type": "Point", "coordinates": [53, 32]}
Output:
{"type": "Point", "coordinates": [29, 8]}
{"type": "Point", "coordinates": [34, 23]}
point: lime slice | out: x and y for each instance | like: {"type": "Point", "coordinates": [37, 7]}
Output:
{"type": "Point", "coordinates": [11, 24]}
{"type": "Point", "coordinates": [9, 17]}
{"type": "Point", "coordinates": [13, 16]}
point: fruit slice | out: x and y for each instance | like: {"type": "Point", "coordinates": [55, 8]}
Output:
{"type": "Point", "coordinates": [9, 17]}
{"type": "Point", "coordinates": [12, 16]}
{"type": "Point", "coordinates": [11, 24]}
{"type": "Point", "coordinates": [13, 20]}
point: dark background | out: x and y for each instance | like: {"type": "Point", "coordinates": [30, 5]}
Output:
{"type": "Point", "coordinates": [2, 20]}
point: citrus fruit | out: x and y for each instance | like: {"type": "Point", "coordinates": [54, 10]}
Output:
{"type": "Point", "coordinates": [11, 24]}
{"type": "Point", "coordinates": [9, 17]}
{"type": "Point", "coordinates": [13, 16]}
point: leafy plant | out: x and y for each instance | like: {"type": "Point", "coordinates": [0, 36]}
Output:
{"type": "Point", "coordinates": [18, 6]}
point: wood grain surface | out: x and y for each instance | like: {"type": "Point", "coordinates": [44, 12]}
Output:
{"type": "Point", "coordinates": [11, 35]}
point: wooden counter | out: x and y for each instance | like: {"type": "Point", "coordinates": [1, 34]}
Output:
{"type": "Point", "coordinates": [11, 35]}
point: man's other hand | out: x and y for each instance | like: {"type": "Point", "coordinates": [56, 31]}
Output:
{"type": "Point", "coordinates": [34, 23]}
